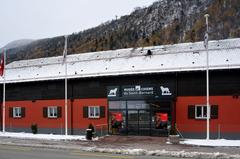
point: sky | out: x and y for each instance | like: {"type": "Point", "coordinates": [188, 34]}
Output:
{"type": "Point", "coordinates": [37, 19]}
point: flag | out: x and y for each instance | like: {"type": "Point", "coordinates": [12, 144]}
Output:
{"type": "Point", "coordinates": [2, 64]}
{"type": "Point", "coordinates": [206, 40]}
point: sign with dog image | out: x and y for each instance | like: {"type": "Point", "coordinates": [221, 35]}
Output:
{"type": "Point", "coordinates": [141, 91]}
{"type": "Point", "coordinates": [165, 91]}
{"type": "Point", "coordinates": [113, 91]}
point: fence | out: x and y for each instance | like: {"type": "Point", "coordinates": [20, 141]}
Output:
{"type": "Point", "coordinates": [101, 129]}
{"type": "Point", "coordinates": [217, 131]}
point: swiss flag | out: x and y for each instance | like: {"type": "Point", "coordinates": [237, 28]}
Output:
{"type": "Point", "coordinates": [2, 64]}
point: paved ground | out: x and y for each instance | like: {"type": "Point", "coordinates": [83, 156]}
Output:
{"type": "Point", "coordinates": [11, 152]}
{"type": "Point", "coordinates": [158, 143]}
{"type": "Point", "coordinates": [124, 142]}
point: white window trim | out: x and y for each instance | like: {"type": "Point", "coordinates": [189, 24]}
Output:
{"type": "Point", "coordinates": [202, 112]}
{"type": "Point", "coordinates": [16, 112]}
{"type": "Point", "coordinates": [93, 116]}
{"type": "Point", "coordinates": [53, 108]}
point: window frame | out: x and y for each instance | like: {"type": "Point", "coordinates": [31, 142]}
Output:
{"type": "Point", "coordinates": [94, 116]}
{"type": "Point", "coordinates": [202, 112]}
{"type": "Point", "coordinates": [55, 111]}
{"type": "Point", "coordinates": [17, 112]}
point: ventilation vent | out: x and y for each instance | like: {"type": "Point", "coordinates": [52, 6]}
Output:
{"type": "Point", "coordinates": [196, 52]}
{"type": "Point", "coordinates": [149, 53]}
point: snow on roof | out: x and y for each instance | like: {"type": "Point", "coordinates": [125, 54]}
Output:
{"type": "Point", "coordinates": [223, 54]}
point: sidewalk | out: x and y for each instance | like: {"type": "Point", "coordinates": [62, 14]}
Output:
{"type": "Point", "coordinates": [131, 145]}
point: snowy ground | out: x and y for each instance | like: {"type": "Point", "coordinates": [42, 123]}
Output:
{"type": "Point", "coordinates": [23, 135]}
{"type": "Point", "coordinates": [219, 142]}
{"type": "Point", "coordinates": [197, 142]}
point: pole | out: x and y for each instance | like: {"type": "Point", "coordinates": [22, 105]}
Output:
{"type": "Point", "coordinates": [207, 81]}
{"type": "Point", "coordinates": [66, 102]}
{"type": "Point", "coordinates": [66, 110]}
{"type": "Point", "coordinates": [4, 89]}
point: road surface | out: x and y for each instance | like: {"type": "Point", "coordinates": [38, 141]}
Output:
{"type": "Point", "coordinates": [17, 152]}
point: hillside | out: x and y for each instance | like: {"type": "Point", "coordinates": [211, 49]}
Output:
{"type": "Point", "coordinates": [18, 43]}
{"type": "Point", "coordinates": [164, 22]}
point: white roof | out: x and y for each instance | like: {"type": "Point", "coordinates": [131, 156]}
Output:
{"type": "Point", "coordinates": [223, 54]}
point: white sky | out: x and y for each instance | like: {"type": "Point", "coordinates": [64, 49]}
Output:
{"type": "Point", "coordinates": [35, 19]}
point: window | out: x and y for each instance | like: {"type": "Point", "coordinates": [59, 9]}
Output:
{"type": "Point", "coordinates": [117, 104]}
{"type": "Point", "coordinates": [93, 111]}
{"type": "Point", "coordinates": [201, 112]}
{"type": "Point", "coordinates": [17, 112]}
{"type": "Point", "coordinates": [52, 112]}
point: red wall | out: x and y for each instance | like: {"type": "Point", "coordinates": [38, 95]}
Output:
{"type": "Point", "coordinates": [79, 121]}
{"type": "Point", "coordinates": [34, 113]}
{"type": "Point", "coordinates": [228, 114]}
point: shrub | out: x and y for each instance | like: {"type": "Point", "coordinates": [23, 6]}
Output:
{"type": "Point", "coordinates": [34, 128]}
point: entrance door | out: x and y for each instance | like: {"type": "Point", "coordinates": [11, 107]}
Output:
{"type": "Point", "coordinates": [139, 122]}
{"type": "Point", "coordinates": [144, 122]}
{"type": "Point", "coordinates": [139, 117]}
{"type": "Point", "coordinates": [133, 122]}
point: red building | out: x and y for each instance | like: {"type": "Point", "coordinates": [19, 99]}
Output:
{"type": "Point", "coordinates": [130, 91]}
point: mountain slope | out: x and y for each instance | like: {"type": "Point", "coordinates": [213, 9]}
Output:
{"type": "Point", "coordinates": [18, 43]}
{"type": "Point", "coordinates": [164, 22]}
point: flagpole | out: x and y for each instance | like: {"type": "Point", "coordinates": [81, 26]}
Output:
{"type": "Point", "coordinates": [207, 81]}
{"type": "Point", "coordinates": [66, 102]}
{"type": "Point", "coordinates": [4, 89]}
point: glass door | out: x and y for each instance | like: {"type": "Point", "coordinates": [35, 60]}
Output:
{"type": "Point", "coordinates": [144, 122]}
{"type": "Point", "coordinates": [138, 118]}
{"type": "Point", "coordinates": [133, 122]}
